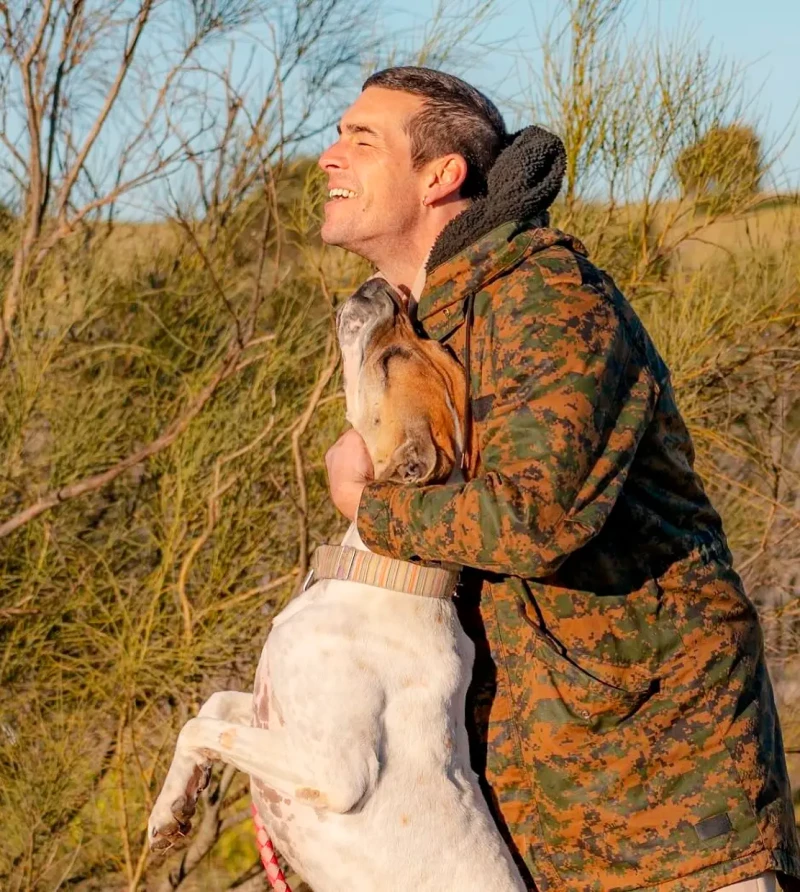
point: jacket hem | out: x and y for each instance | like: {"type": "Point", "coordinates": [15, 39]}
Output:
{"type": "Point", "coordinates": [711, 879]}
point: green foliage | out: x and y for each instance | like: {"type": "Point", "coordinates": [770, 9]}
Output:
{"type": "Point", "coordinates": [94, 635]}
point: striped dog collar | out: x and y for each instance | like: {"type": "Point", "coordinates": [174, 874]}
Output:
{"type": "Point", "coordinates": [345, 563]}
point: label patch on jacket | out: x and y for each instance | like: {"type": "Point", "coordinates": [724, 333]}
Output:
{"type": "Point", "coordinates": [715, 826]}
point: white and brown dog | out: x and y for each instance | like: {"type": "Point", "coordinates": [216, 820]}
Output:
{"type": "Point", "coordinates": [355, 738]}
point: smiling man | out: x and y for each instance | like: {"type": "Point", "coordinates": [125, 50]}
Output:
{"type": "Point", "coordinates": [381, 207]}
{"type": "Point", "coordinates": [623, 718]}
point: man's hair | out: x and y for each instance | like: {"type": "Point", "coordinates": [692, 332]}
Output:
{"type": "Point", "coordinates": [456, 118]}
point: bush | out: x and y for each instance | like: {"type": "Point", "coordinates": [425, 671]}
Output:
{"type": "Point", "coordinates": [723, 168]}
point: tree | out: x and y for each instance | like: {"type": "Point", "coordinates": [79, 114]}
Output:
{"type": "Point", "coordinates": [626, 109]}
{"type": "Point", "coordinates": [101, 101]}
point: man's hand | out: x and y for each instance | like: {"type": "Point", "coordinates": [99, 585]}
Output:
{"type": "Point", "coordinates": [349, 471]}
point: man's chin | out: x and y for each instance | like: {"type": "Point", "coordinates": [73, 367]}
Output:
{"type": "Point", "coordinates": [330, 238]}
{"type": "Point", "coordinates": [336, 238]}
{"type": "Point", "coordinates": [329, 234]}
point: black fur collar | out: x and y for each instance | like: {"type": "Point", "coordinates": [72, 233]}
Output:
{"type": "Point", "coordinates": [522, 185]}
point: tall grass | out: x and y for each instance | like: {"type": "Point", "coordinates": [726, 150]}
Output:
{"type": "Point", "coordinates": [123, 609]}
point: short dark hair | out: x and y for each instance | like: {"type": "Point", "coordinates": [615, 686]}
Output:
{"type": "Point", "coordinates": [455, 118]}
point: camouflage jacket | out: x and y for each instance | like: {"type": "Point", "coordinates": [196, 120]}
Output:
{"type": "Point", "coordinates": [623, 718]}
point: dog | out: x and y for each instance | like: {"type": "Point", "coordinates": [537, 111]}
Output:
{"type": "Point", "coordinates": [355, 737]}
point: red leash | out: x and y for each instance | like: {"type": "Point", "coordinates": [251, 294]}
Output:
{"type": "Point", "coordinates": [268, 857]}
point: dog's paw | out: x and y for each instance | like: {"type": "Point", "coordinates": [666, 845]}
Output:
{"type": "Point", "coordinates": [168, 831]}
{"type": "Point", "coordinates": [171, 822]}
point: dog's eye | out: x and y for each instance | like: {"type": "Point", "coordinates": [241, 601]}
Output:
{"type": "Point", "coordinates": [393, 351]}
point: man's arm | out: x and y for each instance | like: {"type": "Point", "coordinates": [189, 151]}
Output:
{"type": "Point", "coordinates": [572, 400]}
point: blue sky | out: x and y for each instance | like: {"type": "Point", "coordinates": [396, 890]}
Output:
{"type": "Point", "coordinates": [766, 36]}
{"type": "Point", "coordinates": [763, 36]}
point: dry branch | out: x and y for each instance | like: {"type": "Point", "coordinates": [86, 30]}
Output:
{"type": "Point", "coordinates": [329, 367]}
{"type": "Point", "coordinates": [166, 439]}
{"type": "Point", "coordinates": [205, 834]}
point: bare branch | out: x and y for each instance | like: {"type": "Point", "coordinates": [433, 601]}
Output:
{"type": "Point", "coordinates": [166, 439]}
{"type": "Point", "coordinates": [111, 97]}
{"type": "Point", "coordinates": [329, 367]}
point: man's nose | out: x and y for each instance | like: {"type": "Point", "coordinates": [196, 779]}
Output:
{"type": "Point", "coordinates": [333, 158]}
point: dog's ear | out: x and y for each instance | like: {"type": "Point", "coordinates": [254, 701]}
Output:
{"type": "Point", "coordinates": [414, 460]}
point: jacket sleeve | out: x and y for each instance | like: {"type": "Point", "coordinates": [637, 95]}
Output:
{"type": "Point", "coordinates": [571, 399]}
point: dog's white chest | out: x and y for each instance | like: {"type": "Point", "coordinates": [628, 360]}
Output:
{"type": "Point", "coordinates": [407, 660]}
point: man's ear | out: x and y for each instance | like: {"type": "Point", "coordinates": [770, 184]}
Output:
{"type": "Point", "coordinates": [445, 178]}
{"type": "Point", "coordinates": [414, 460]}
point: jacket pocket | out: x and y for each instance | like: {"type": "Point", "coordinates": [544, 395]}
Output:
{"type": "Point", "coordinates": [629, 821]}
{"type": "Point", "coordinates": [659, 845]}
{"type": "Point", "coordinates": [579, 693]}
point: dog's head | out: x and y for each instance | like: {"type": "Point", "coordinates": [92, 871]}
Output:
{"type": "Point", "coordinates": [405, 394]}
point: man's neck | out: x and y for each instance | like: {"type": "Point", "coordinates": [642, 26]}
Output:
{"type": "Point", "coordinates": [401, 265]}
{"type": "Point", "coordinates": [402, 276]}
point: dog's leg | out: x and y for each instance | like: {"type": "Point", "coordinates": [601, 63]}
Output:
{"type": "Point", "coordinates": [322, 775]}
{"type": "Point", "coordinates": [334, 780]}
{"type": "Point", "coordinates": [333, 772]}
{"type": "Point", "coordinates": [188, 777]}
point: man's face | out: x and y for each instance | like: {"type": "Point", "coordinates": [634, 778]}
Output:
{"type": "Point", "coordinates": [371, 160]}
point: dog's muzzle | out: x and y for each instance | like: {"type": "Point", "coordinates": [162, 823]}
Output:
{"type": "Point", "coordinates": [374, 302]}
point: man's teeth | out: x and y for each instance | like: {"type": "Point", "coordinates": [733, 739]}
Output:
{"type": "Point", "coordinates": [341, 193]}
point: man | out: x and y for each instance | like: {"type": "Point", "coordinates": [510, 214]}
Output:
{"type": "Point", "coordinates": [623, 715]}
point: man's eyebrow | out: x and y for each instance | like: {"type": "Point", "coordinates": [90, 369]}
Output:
{"type": "Point", "coordinates": [357, 128]}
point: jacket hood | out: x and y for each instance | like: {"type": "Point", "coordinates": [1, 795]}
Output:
{"type": "Point", "coordinates": [522, 184]}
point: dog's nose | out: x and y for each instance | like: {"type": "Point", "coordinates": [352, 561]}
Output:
{"type": "Point", "coordinates": [377, 291]}
{"type": "Point", "coordinates": [373, 301]}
